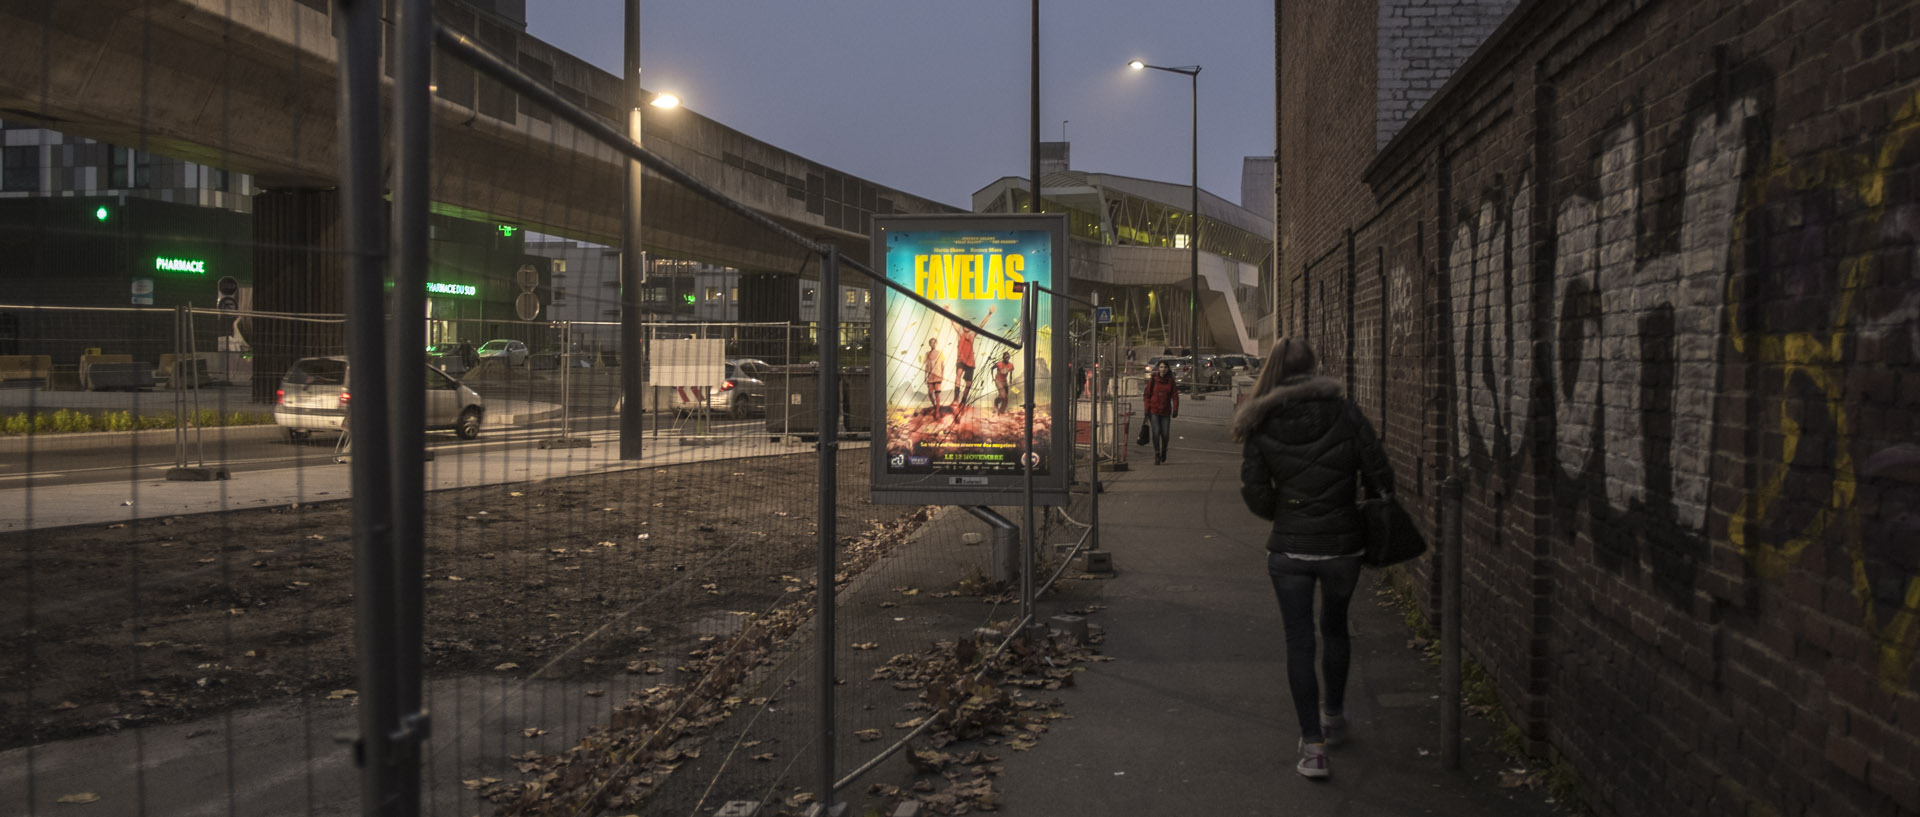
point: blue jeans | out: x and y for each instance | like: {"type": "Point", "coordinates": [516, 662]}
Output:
{"type": "Point", "coordinates": [1157, 429]}
{"type": "Point", "coordinates": [1293, 581]}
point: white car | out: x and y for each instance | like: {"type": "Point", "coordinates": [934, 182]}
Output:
{"type": "Point", "coordinates": [315, 392]}
{"type": "Point", "coordinates": [514, 351]}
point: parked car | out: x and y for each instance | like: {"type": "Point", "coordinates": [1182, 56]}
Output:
{"type": "Point", "coordinates": [1231, 365]}
{"type": "Point", "coordinates": [752, 366]}
{"type": "Point", "coordinates": [452, 358]}
{"type": "Point", "coordinates": [515, 352]}
{"type": "Point", "coordinates": [315, 392]}
{"type": "Point", "coordinates": [735, 396]}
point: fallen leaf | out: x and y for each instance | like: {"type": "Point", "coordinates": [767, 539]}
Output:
{"type": "Point", "coordinates": [867, 734]}
{"type": "Point", "coordinates": [506, 666]}
{"type": "Point", "coordinates": [340, 694]}
{"type": "Point", "coordinates": [532, 732]}
{"type": "Point", "coordinates": [763, 756]}
{"type": "Point", "coordinates": [64, 706]}
{"type": "Point", "coordinates": [82, 798]}
{"type": "Point", "coordinates": [866, 645]}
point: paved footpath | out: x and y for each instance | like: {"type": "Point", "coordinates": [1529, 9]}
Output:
{"type": "Point", "coordinates": [1193, 716]}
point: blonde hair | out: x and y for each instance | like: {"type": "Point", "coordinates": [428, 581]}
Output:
{"type": "Point", "coordinates": [1291, 358]}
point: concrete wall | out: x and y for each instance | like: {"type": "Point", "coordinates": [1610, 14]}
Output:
{"type": "Point", "coordinates": [1646, 274]}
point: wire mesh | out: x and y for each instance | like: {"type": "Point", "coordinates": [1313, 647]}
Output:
{"type": "Point", "coordinates": [601, 632]}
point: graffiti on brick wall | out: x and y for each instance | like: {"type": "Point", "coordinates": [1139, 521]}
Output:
{"type": "Point", "coordinates": [1828, 305]}
{"type": "Point", "coordinates": [1637, 339]}
{"type": "Point", "coordinates": [1492, 374]}
{"type": "Point", "coordinates": [1644, 312]}
{"type": "Point", "coordinates": [1403, 323]}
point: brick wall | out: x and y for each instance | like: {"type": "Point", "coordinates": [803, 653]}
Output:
{"type": "Point", "coordinates": [1646, 275]}
{"type": "Point", "coordinates": [1420, 43]}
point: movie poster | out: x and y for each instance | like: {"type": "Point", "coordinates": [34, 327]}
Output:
{"type": "Point", "coordinates": [953, 403]}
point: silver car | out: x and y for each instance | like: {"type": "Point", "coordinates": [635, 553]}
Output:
{"type": "Point", "coordinates": [315, 393]}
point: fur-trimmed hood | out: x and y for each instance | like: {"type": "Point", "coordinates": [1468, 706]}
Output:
{"type": "Point", "coordinates": [1256, 411]}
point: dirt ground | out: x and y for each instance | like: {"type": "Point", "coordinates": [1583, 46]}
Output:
{"type": "Point", "coordinates": [168, 620]}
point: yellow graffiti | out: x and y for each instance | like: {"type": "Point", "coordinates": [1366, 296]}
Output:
{"type": "Point", "coordinates": [1821, 362]}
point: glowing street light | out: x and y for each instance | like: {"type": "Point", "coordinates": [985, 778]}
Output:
{"type": "Point", "coordinates": [1192, 72]}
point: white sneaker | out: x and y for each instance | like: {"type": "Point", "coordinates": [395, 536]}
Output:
{"type": "Point", "coordinates": [1313, 761]}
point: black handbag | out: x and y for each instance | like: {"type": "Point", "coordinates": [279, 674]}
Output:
{"type": "Point", "coordinates": [1143, 440]}
{"type": "Point", "coordinates": [1391, 536]}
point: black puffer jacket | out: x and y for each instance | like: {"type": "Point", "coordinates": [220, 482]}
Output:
{"type": "Point", "coordinates": [1304, 443]}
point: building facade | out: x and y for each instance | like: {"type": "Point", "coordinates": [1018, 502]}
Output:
{"type": "Point", "coordinates": [1130, 245]}
{"type": "Point", "coordinates": [1644, 276]}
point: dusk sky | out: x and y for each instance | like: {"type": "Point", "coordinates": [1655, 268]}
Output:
{"type": "Point", "coordinates": [932, 97]}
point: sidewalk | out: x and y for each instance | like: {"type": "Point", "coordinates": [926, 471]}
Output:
{"type": "Point", "coordinates": [1193, 715]}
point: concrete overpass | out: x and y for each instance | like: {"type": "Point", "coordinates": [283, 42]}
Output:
{"type": "Point", "coordinates": [250, 86]}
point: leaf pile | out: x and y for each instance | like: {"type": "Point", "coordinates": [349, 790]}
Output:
{"type": "Point", "coordinates": [972, 693]}
{"type": "Point", "coordinates": [652, 734]}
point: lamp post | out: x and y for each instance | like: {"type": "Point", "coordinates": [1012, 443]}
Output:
{"type": "Point", "coordinates": [1192, 72]}
{"type": "Point", "coordinates": [632, 260]}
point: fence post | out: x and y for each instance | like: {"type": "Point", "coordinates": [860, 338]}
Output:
{"type": "Point", "coordinates": [1450, 578]}
{"type": "Point", "coordinates": [565, 439]}
{"type": "Point", "coordinates": [1027, 337]}
{"type": "Point", "coordinates": [1093, 433]}
{"type": "Point", "coordinates": [829, 501]}
{"type": "Point", "coordinates": [407, 456]}
{"type": "Point", "coordinates": [357, 23]}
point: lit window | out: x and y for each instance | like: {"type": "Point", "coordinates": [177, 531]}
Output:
{"type": "Point", "coordinates": [853, 297]}
{"type": "Point", "coordinates": [713, 293]}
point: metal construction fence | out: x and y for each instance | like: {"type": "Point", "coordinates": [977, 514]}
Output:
{"type": "Point", "coordinates": [605, 597]}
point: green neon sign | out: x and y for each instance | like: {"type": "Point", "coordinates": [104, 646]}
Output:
{"type": "Point", "coordinates": [507, 230]}
{"type": "Point", "coordinates": [165, 264]}
{"type": "Point", "coordinates": [101, 213]}
{"type": "Point", "coordinates": [452, 289]}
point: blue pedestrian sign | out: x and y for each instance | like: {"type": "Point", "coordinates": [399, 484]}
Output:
{"type": "Point", "coordinates": [1103, 314]}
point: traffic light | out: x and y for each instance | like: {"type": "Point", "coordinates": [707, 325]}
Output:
{"type": "Point", "coordinates": [102, 214]}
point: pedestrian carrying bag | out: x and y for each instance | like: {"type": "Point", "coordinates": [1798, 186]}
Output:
{"type": "Point", "coordinates": [1391, 536]}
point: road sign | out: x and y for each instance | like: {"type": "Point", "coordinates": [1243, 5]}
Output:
{"type": "Point", "coordinates": [527, 306]}
{"type": "Point", "coordinates": [1103, 314]}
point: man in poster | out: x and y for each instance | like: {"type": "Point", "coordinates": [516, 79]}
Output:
{"type": "Point", "coordinates": [1002, 377]}
{"type": "Point", "coordinates": [963, 365]}
{"type": "Point", "coordinates": [935, 364]}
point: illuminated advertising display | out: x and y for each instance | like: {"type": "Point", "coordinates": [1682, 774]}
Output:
{"type": "Point", "coordinates": [951, 415]}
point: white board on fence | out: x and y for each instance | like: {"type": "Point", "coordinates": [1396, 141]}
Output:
{"type": "Point", "coordinates": [689, 362]}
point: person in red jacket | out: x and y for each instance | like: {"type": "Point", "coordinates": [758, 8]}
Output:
{"type": "Point", "coordinates": [1162, 398]}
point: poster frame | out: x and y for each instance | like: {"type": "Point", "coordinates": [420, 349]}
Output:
{"type": "Point", "coordinates": [947, 488]}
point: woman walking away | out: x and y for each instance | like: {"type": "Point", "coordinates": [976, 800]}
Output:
{"type": "Point", "coordinates": [1162, 398]}
{"type": "Point", "coordinates": [1303, 444]}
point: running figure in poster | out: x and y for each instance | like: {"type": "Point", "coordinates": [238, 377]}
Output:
{"type": "Point", "coordinates": [1002, 377]}
{"type": "Point", "coordinates": [963, 364]}
{"type": "Point", "coordinates": [935, 363]}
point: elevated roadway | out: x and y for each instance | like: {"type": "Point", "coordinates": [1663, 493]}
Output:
{"type": "Point", "coordinates": [250, 86]}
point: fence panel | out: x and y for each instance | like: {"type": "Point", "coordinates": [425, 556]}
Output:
{"type": "Point", "coordinates": [601, 632]}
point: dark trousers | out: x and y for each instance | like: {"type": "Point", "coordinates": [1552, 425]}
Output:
{"type": "Point", "coordinates": [1293, 582]}
{"type": "Point", "coordinates": [1157, 429]}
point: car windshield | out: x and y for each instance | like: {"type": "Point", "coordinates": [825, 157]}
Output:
{"type": "Point", "coordinates": [494, 344]}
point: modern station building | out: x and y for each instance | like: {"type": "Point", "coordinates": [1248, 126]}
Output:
{"type": "Point", "coordinates": [1131, 247]}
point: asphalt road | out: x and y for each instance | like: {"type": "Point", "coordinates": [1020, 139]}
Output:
{"type": "Point", "coordinates": [124, 457]}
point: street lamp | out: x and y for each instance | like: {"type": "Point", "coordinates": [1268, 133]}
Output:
{"type": "Point", "coordinates": [632, 269]}
{"type": "Point", "coordinates": [1192, 72]}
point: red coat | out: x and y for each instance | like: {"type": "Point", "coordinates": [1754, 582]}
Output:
{"type": "Point", "coordinates": [1162, 396]}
